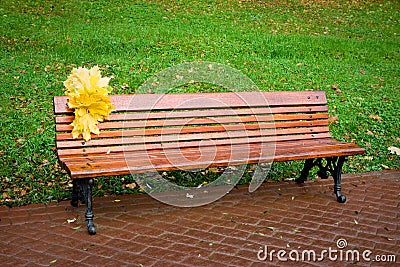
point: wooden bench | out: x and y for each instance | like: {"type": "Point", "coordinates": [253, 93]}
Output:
{"type": "Point", "coordinates": [161, 130]}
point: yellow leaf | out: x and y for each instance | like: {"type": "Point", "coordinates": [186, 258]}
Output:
{"type": "Point", "coordinates": [84, 81]}
{"type": "Point", "coordinates": [84, 125]}
{"type": "Point", "coordinates": [87, 93]}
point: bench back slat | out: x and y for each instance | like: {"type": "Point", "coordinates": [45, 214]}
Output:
{"type": "Point", "coordinates": [146, 102]}
{"type": "Point", "coordinates": [202, 113]}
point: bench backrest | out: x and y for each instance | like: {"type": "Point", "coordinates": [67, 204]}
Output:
{"type": "Point", "coordinates": [153, 121]}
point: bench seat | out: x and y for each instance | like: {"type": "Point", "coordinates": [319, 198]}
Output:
{"type": "Point", "coordinates": [103, 164]}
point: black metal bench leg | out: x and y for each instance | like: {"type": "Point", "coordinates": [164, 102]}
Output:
{"type": "Point", "coordinates": [75, 194]}
{"type": "Point", "coordinates": [87, 185]}
{"type": "Point", "coordinates": [337, 177]}
{"type": "Point", "coordinates": [308, 164]}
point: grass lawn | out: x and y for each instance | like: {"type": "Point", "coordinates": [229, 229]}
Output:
{"type": "Point", "coordinates": [350, 49]}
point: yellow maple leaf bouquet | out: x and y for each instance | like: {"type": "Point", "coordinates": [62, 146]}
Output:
{"type": "Point", "coordinates": [88, 93]}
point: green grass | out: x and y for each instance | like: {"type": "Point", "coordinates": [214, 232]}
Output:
{"type": "Point", "coordinates": [281, 45]}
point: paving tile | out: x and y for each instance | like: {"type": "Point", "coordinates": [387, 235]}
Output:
{"type": "Point", "coordinates": [106, 222]}
{"type": "Point", "coordinates": [9, 249]}
{"type": "Point", "coordinates": [133, 259]}
{"type": "Point", "coordinates": [57, 262]}
{"type": "Point", "coordinates": [181, 239]}
{"type": "Point", "coordinates": [192, 250]}
{"type": "Point", "coordinates": [169, 227]}
{"type": "Point", "coordinates": [142, 229]}
{"type": "Point", "coordinates": [35, 257]}
{"type": "Point", "coordinates": [191, 224]}
{"type": "Point", "coordinates": [338, 230]}
{"type": "Point", "coordinates": [103, 250]}
{"type": "Point", "coordinates": [204, 236]}
{"type": "Point", "coordinates": [99, 260]}
{"type": "Point", "coordinates": [4, 221]}
{"type": "Point", "coordinates": [230, 260]}
{"type": "Point", "coordinates": [224, 231]}
{"type": "Point", "coordinates": [124, 245]}
{"type": "Point", "coordinates": [151, 241]}
{"type": "Point", "coordinates": [8, 260]}
{"type": "Point", "coordinates": [164, 254]}
{"type": "Point", "coordinates": [74, 254]}
{"type": "Point", "coordinates": [201, 261]}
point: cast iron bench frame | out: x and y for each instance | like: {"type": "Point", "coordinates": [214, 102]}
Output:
{"type": "Point", "coordinates": [147, 126]}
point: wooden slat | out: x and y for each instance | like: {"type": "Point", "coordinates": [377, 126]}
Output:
{"type": "Point", "coordinates": [232, 151]}
{"type": "Point", "coordinates": [146, 102]}
{"type": "Point", "coordinates": [203, 113]}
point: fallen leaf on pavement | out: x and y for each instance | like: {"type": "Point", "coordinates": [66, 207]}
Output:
{"type": "Point", "coordinates": [71, 220]}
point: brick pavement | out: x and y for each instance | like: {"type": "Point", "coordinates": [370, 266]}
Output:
{"type": "Point", "coordinates": [140, 231]}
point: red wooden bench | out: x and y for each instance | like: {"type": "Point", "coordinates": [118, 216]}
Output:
{"type": "Point", "coordinates": [235, 127]}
